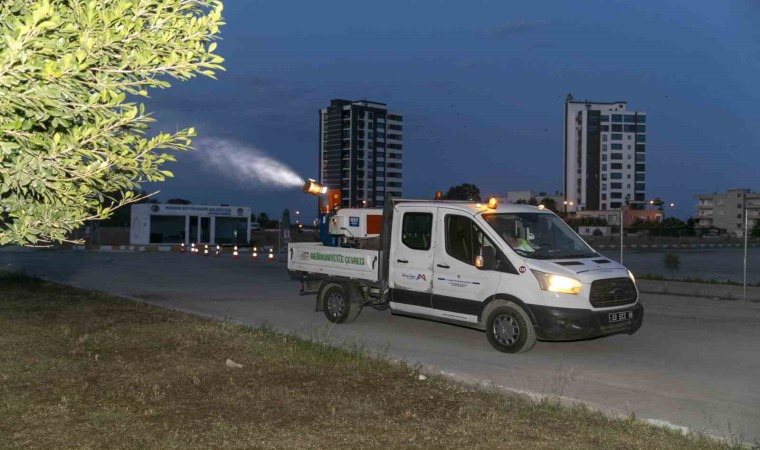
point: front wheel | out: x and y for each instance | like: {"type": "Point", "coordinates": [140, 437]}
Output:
{"type": "Point", "coordinates": [509, 329]}
{"type": "Point", "coordinates": [337, 306]}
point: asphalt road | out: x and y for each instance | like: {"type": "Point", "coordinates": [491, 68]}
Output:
{"type": "Point", "coordinates": [695, 362]}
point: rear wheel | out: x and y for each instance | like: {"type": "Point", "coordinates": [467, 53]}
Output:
{"type": "Point", "coordinates": [337, 306]}
{"type": "Point", "coordinates": [509, 329]}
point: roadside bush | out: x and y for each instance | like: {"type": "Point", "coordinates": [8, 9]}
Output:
{"type": "Point", "coordinates": [672, 262]}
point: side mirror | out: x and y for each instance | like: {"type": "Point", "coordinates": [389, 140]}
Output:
{"type": "Point", "coordinates": [486, 259]}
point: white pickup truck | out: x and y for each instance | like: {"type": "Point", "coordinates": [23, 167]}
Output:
{"type": "Point", "coordinates": [517, 272]}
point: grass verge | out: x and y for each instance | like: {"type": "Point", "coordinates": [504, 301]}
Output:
{"type": "Point", "coordinates": [85, 370]}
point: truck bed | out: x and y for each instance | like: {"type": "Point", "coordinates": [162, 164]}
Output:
{"type": "Point", "coordinates": [313, 257]}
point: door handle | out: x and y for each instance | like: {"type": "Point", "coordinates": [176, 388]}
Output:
{"type": "Point", "coordinates": [443, 266]}
{"type": "Point", "coordinates": [402, 261]}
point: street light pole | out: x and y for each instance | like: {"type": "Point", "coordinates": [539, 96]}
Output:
{"type": "Point", "coordinates": [746, 234]}
{"type": "Point", "coordinates": [623, 206]}
{"type": "Point", "coordinates": [621, 235]}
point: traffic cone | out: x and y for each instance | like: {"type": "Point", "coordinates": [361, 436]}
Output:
{"type": "Point", "coordinates": [205, 250]}
{"type": "Point", "coordinates": [192, 248]}
{"type": "Point", "coordinates": [255, 254]}
{"type": "Point", "coordinates": [182, 248]}
{"type": "Point", "coordinates": [235, 253]}
{"type": "Point", "coordinates": [270, 258]}
{"type": "Point", "coordinates": [218, 251]}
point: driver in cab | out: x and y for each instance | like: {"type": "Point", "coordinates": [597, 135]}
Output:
{"type": "Point", "coordinates": [518, 243]}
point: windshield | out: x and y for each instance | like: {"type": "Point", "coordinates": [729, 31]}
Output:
{"type": "Point", "coordinates": [539, 235]}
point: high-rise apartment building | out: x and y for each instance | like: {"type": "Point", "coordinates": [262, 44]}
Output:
{"type": "Point", "coordinates": [361, 151]}
{"type": "Point", "coordinates": [726, 211]}
{"type": "Point", "coordinates": [605, 148]}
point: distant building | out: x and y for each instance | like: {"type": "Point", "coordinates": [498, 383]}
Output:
{"type": "Point", "coordinates": [604, 155]}
{"type": "Point", "coordinates": [520, 196]}
{"type": "Point", "coordinates": [526, 196]}
{"type": "Point", "coordinates": [726, 211]}
{"type": "Point", "coordinates": [155, 223]}
{"type": "Point", "coordinates": [361, 151]}
{"type": "Point", "coordinates": [630, 215]}
{"type": "Point", "coordinates": [594, 231]}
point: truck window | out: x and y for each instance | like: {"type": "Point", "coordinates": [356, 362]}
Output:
{"type": "Point", "coordinates": [416, 230]}
{"type": "Point", "coordinates": [464, 239]}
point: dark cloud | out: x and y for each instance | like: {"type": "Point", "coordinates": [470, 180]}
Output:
{"type": "Point", "coordinates": [475, 65]}
{"type": "Point", "coordinates": [511, 28]}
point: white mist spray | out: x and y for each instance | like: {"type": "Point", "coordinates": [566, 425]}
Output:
{"type": "Point", "coordinates": [245, 163]}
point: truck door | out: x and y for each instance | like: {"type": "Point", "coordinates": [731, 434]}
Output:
{"type": "Point", "coordinates": [459, 288]}
{"type": "Point", "coordinates": [411, 259]}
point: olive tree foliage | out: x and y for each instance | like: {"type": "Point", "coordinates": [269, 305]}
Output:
{"type": "Point", "coordinates": [72, 134]}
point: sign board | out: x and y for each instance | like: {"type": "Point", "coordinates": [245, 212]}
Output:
{"type": "Point", "coordinates": [286, 236]}
{"type": "Point", "coordinates": [353, 221]}
{"type": "Point", "coordinates": [198, 210]}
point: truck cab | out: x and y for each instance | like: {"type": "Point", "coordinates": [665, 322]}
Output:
{"type": "Point", "coordinates": [517, 272]}
{"type": "Point", "coordinates": [506, 270]}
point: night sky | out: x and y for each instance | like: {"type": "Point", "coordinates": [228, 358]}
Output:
{"type": "Point", "coordinates": [481, 85]}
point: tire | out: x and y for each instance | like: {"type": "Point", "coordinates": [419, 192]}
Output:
{"type": "Point", "coordinates": [337, 305]}
{"type": "Point", "coordinates": [509, 329]}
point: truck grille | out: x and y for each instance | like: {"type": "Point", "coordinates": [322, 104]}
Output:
{"type": "Point", "coordinates": [612, 292]}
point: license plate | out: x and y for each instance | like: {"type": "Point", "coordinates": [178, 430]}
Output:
{"type": "Point", "coordinates": [621, 316]}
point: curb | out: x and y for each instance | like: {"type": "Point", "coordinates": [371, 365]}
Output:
{"type": "Point", "coordinates": [714, 291]}
{"type": "Point", "coordinates": [126, 248]}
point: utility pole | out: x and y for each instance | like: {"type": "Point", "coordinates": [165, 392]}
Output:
{"type": "Point", "coordinates": [746, 234]}
{"type": "Point", "coordinates": [621, 235]}
{"type": "Point", "coordinates": [622, 220]}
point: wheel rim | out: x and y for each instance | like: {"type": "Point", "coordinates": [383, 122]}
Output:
{"type": "Point", "coordinates": [506, 330]}
{"type": "Point", "coordinates": [335, 304]}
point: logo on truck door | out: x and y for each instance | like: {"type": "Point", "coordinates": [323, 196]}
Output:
{"type": "Point", "coordinates": [414, 276]}
{"type": "Point", "coordinates": [353, 221]}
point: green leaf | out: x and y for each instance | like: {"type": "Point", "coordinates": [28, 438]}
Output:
{"type": "Point", "coordinates": [71, 140]}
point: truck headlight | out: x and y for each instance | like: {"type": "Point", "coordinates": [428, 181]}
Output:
{"type": "Point", "coordinates": [630, 275]}
{"type": "Point", "coordinates": [557, 283]}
